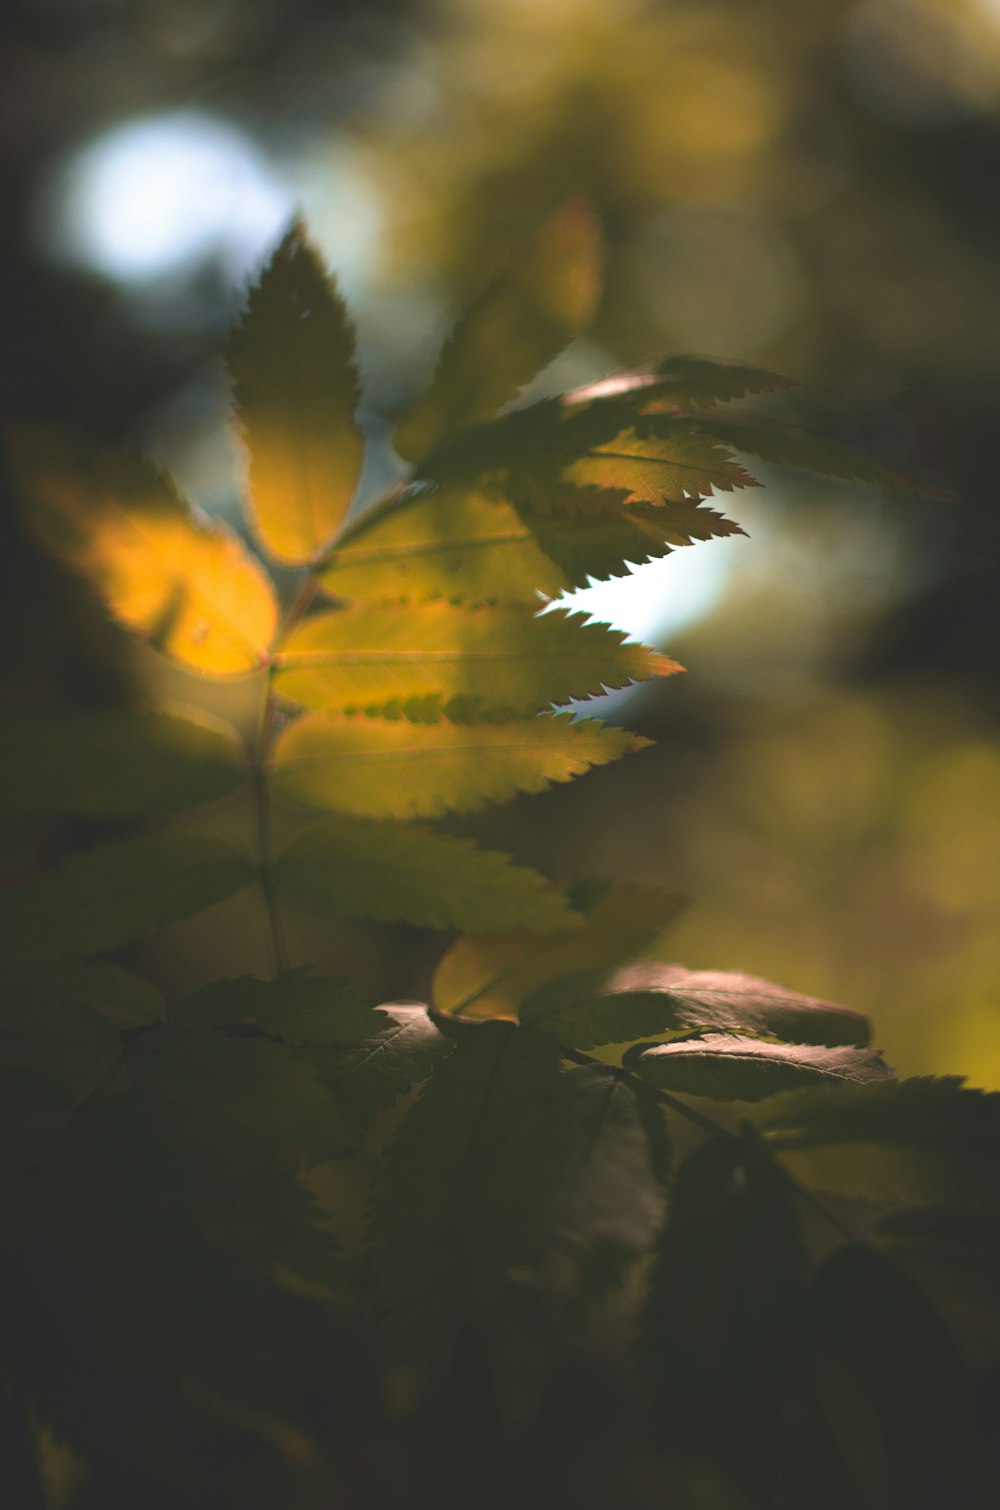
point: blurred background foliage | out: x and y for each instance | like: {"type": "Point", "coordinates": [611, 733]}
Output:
{"type": "Point", "coordinates": [809, 185]}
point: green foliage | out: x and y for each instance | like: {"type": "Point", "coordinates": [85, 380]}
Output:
{"type": "Point", "coordinates": [256, 1237]}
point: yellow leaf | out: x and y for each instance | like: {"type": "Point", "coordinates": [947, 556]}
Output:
{"type": "Point", "coordinates": [190, 589]}
{"type": "Point", "coordinates": [380, 768]}
{"type": "Point", "coordinates": [519, 323]}
{"type": "Point", "coordinates": [292, 358]}
{"type": "Point", "coordinates": [468, 661]}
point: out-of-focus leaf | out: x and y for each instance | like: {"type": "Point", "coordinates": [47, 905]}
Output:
{"type": "Point", "coordinates": [103, 898]}
{"type": "Point", "coordinates": [523, 319]}
{"type": "Point", "coordinates": [53, 1036]}
{"type": "Point", "coordinates": [382, 768]}
{"type": "Point", "coordinates": [477, 661]}
{"type": "Point", "coordinates": [930, 1142]}
{"type": "Point", "coordinates": [292, 358]}
{"type": "Point", "coordinates": [112, 764]}
{"type": "Point", "coordinates": [192, 590]}
{"type": "Point", "coordinates": [954, 1255]}
{"type": "Point", "coordinates": [120, 996]}
{"type": "Point", "coordinates": [480, 547]}
{"type": "Point", "coordinates": [678, 383]}
{"type": "Point", "coordinates": [649, 998]}
{"type": "Point", "coordinates": [729, 1068]}
{"type": "Point", "coordinates": [399, 873]}
{"type": "Point", "coordinates": [495, 975]}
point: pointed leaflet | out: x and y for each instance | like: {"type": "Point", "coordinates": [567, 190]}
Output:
{"type": "Point", "coordinates": [382, 768]}
{"type": "Point", "coordinates": [522, 319]}
{"type": "Point", "coordinates": [660, 463]}
{"type": "Point", "coordinates": [470, 661]}
{"type": "Point", "coordinates": [478, 547]}
{"type": "Point", "coordinates": [729, 1068]}
{"type": "Point", "coordinates": [292, 358]}
{"type": "Point", "coordinates": [721, 1332]}
{"type": "Point", "coordinates": [190, 589]}
{"type": "Point", "coordinates": [929, 1142]}
{"type": "Point", "coordinates": [100, 899]}
{"type": "Point", "coordinates": [649, 999]}
{"type": "Point", "coordinates": [413, 875]}
{"type": "Point", "coordinates": [678, 383]}
{"type": "Point", "coordinates": [493, 976]}
{"type": "Point", "coordinates": [112, 764]}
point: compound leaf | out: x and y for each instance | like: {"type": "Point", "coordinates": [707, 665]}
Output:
{"type": "Point", "coordinates": [925, 1141]}
{"type": "Point", "coordinates": [100, 899]}
{"type": "Point", "coordinates": [112, 764]}
{"type": "Point", "coordinates": [292, 360]}
{"type": "Point", "coordinates": [663, 463]}
{"type": "Point", "coordinates": [678, 383]}
{"type": "Point", "coordinates": [382, 768]}
{"type": "Point", "coordinates": [398, 873]}
{"type": "Point", "coordinates": [466, 661]}
{"type": "Point", "coordinates": [730, 1068]}
{"type": "Point", "coordinates": [498, 975]}
{"type": "Point", "coordinates": [190, 589]}
{"type": "Point", "coordinates": [521, 320]}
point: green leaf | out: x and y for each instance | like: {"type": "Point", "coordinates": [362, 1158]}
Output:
{"type": "Point", "coordinates": [48, 1034]}
{"type": "Point", "coordinates": [721, 1337]}
{"type": "Point", "coordinates": [929, 1142]}
{"type": "Point", "coordinates": [495, 975]}
{"type": "Point", "coordinates": [381, 768]}
{"type": "Point", "coordinates": [372, 1076]}
{"type": "Point", "coordinates": [678, 383]}
{"type": "Point", "coordinates": [123, 998]}
{"type": "Point", "coordinates": [292, 360]}
{"type": "Point", "coordinates": [480, 547]}
{"type": "Point", "coordinates": [649, 998]}
{"type": "Point", "coordinates": [521, 320]}
{"type": "Point", "coordinates": [407, 874]}
{"type": "Point", "coordinates": [469, 662]}
{"type": "Point", "coordinates": [729, 1068]}
{"type": "Point", "coordinates": [100, 899]}
{"type": "Point", "coordinates": [664, 462]}
{"type": "Point", "coordinates": [190, 589]}
{"type": "Point", "coordinates": [111, 764]}
{"type": "Point", "coordinates": [954, 1255]}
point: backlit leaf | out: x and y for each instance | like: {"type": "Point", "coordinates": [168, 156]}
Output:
{"type": "Point", "coordinates": [112, 764]}
{"type": "Point", "coordinates": [495, 975]}
{"type": "Point", "coordinates": [521, 320]}
{"type": "Point", "coordinates": [474, 661]}
{"type": "Point", "coordinates": [382, 768]}
{"type": "Point", "coordinates": [668, 463]}
{"type": "Point", "coordinates": [189, 588]}
{"type": "Point", "coordinates": [678, 383]}
{"type": "Point", "coordinates": [398, 873]}
{"type": "Point", "coordinates": [99, 899]}
{"type": "Point", "coordinates": [292, 358]}
{"type": "Point", "coordinates": [730, 1068]}
{"type": "Point", "coordinates": [649, 998]}
{"type": "Point", "coordinates": [930, 1142]}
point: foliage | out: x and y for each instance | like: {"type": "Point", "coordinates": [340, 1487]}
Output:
{"type": "Point", "coordinates": [278, 1245]}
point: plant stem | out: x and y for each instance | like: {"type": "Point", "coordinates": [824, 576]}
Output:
{"type": "Point", "coordinates": [262, 808]}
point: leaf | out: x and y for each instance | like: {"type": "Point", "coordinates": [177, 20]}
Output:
{"type": "Point", "coordinates": [493, 976]}
{"type": "Point", "coordinates": [372, 1076]}
{"type": "Point", "coordinates": [292, 360]}
{"type": "Point", "coordinates": [119, 996]}
{"type": "Point", "coordinates": [666, 463]}
{"type": "Point", "coordinates": [729, 1068]}
{"type": "Point", "coordinates": [721, 1336]}
{"type": "Point", "coordinates": [679, 383]}
{"type": "Point", "coordinates": [649, 998]}
{"type": "Point", "coordinates": [786, 447]}
{"type": "Point", "coordinates": [414, 875]}
{"type": "Point", "coordinates": [472, 662]}
{"type": "Point", "coordinates": [954, 1256]}
{"type": "Point", "coordinates": [929, 1142]}
{"type": "Point", "coordinates": [49, 1036]}
{"type": "Point", "coordinates": [521, 320]}
{"type": "Point", "coordinates": [111, 764]}
{"type": "Point", "coordinates": [100, 899]}
{"type": "Point", "coordinates": [479, 547]}
{"type": "Point", "coordinates": [380, 768]}
{"type": "Point", "coordinates": [190, 589]}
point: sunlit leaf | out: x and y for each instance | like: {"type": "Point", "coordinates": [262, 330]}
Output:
{"type": "Point", "coordinates": [189, 588]}
{"type": "Point", "coordinates": [927, 1141]}
{"type": "Point", "coordinates": [112, 764]}
{"type": "Point", "coordinates": [99, 899]}
{"type": "Point", "coordinates": [292, 358]}
{"type": "Point", "coordinates": [647, 999]}
{"type": "Point", "coordinates": [382, 768]}
{"type": "Point", "coordinates": [469, 661]}
{"type": "Point", "coordinates": [480, 547]}
{"type": "Point", "coordinates": [399, 873]}
{"type": "Point", "coordinates": [668, 462]}
{"type": "Point", "coordinates": [731, 1068]}
{"type": "Point", "coordinates": [522, 319]}
{"type": "Point", "coordinates": [678, 383]}
{"type": "Point", "coordinates": [495, 975]}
